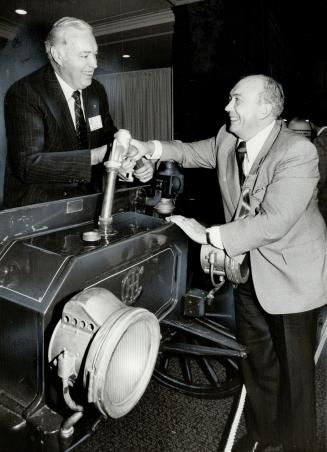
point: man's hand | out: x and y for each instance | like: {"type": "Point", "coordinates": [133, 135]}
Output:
{"type": "Point", "coordinates": [145, 172]}
{"type": "Point", "coordinates": [97, 154]}
{"type": "Point", "coordinates": [191, 227]}
{"type": "Point", "coordinates": [138, 149]}
{"type": "Point", "coordinates": [127, 166]}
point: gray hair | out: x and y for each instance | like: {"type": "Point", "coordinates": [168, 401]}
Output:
{"type": "Point", "coordinates": [58, 29]}
{"type": "Point", "coordinates": [273, 94]}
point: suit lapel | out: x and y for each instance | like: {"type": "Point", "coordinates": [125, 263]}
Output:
{"type": "Point", "coordinates": [266, 147]}
{"type": "Point", "coordinates": [56, 102]}
{"type": "Point", "coordinates": [230, 180]}
{"type": "Point", "coordinates": [244, 203]}
{"type": "Point", "coordinates": [55, 99]}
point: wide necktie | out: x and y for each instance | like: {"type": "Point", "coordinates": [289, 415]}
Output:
{"type": "Point", "coordinates": [240, 155]}
{"type": "Point", "coordinates": [243, 207]}
{"type": "Point", "coordinates": [81, 129]}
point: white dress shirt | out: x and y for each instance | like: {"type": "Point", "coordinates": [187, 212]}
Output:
{"type": "Point", "coordinates": [68, 91]}
{"type": "Point", "coordinates": [254, 146]}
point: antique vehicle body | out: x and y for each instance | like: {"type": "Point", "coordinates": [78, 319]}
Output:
{"type": "Point", "coordinates": [43, 263]}
{"type": "Point", "coordinates": [80, 319]}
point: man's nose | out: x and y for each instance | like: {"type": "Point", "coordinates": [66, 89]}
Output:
{"type": "Point", "coordinates": [93, 61]}
{"type": "Point", "coordinates": [229, 106]}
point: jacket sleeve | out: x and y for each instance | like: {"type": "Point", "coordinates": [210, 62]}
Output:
{"type": "Point", "coordinates": [28, 134]}
{"type": "Point", "coordinates": [199, 154]}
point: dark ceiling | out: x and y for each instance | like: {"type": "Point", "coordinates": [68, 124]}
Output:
{"type": "Point", "coordinates": [141, 28]}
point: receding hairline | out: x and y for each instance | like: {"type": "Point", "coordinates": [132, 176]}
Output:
{"type": "Point", "coordinates": [271, 91]}
{"type": "Point", "coordinates": [255, 76]}
{"type": "Point", "coordinates": [248, 79]}
{"type": "Point", "coordinates": [253, 79]}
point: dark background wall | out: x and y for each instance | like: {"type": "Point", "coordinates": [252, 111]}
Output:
{"type": "Point", "coordinates": [18, 57]}
{"type": "Point", "coordinates": [216, 42]}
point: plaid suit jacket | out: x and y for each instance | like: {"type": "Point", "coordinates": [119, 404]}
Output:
{"type": "Point", "coordinates": [44, 162]}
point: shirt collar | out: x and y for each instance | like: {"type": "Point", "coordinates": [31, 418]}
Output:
{"type": "Point", "coordinates": [254, 145]}
{"type": "Point", "coordinates": [68, 91]}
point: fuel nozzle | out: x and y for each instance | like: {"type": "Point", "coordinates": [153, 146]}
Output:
{"type": "Point", "coordinates": [118, 153]}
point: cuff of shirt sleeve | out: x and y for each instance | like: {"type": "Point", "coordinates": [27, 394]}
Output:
{"type": "Point", "coordinates": [214, 237]}
{"type": "Point", "coordinates": [156, 154]}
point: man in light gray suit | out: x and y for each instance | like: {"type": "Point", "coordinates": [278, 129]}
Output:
{"type": "Point", "coordinates": [284, 234]}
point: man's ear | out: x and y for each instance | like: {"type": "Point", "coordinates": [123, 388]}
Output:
{"type": "Point", "coordinates": [56, 56]}
{"type": "Point", "coordinates": [265, 110]}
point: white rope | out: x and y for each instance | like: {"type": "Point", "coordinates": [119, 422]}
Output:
{"type": "Point", "coordinates": [233, 430]}
{"type": "Point", "coordinates": [323, 338]}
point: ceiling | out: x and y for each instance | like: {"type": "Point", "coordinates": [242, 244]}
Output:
{"type": "Point", "coordinates": [141, 28]}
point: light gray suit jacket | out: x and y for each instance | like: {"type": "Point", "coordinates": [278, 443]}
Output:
{"type": "Point", "coordinates": [284, 230]}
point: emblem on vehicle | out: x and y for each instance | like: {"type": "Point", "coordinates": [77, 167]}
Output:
{"type": "Point", "coordinates": [130, 285]}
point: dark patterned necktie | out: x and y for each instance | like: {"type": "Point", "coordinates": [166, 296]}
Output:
{"type": "Point", "coordinates": [81, 129]}
{"type": "Point", "coordinates": [240, 155]}
{"type": "Point", "coordinates": [244, 204]}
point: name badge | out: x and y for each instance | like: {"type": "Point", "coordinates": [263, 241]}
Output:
{"type": "Point", "coordinates": [95, 123]}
